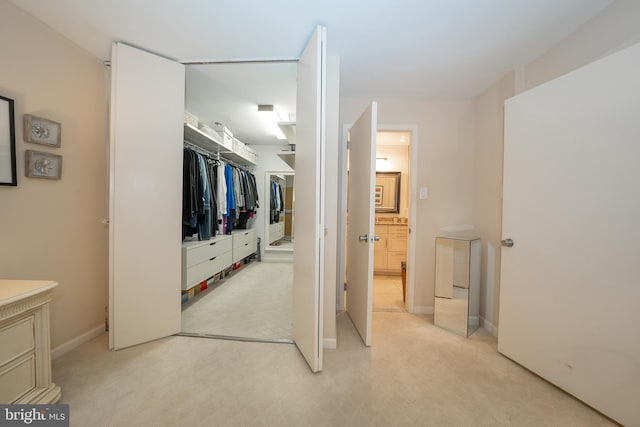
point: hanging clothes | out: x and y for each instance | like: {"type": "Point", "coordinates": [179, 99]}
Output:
{"type": "Point", "coordinates": [229, 217]}
{"type": "Point", "coordinates": [222, 191]}
{"type": "Point", "coordinates": [217, 197]}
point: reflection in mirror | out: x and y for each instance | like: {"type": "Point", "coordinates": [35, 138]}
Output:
{"type": "Point", "coordinates": [279, 230]}
{"type": "Point", "coordinates": [387, 192]}
{"type": "Point", "coordinates": [457, 300]}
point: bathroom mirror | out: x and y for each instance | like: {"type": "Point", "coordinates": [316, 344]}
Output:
{"type": "Point", "coordinates": [387, 192]}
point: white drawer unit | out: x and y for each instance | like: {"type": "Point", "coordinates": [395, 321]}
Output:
{"type": "Point", "coordinates": [276, 231]}
{"type": "Point", "coordinates": [25, 346]}
{"type": "Point", "coordinates": [203, 259]}
{"type": "Point", "coordinates": [244, 244]}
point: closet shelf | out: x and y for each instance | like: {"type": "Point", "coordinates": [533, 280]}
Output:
{"type": "Point", "coordinates": [238, 154]}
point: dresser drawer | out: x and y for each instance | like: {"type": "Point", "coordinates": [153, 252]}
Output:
{"type": "Point", "coordinates": [243, 251]}
{"type": "Point", "coordinates": [197, 273]}
{"type": "Point", "coordinates": [17, 379]}
{"type": "Point", "coordinates": [398, 230]}
{"type": "Point", "coordinates": [241, 238]}
{"type": "Point", "coordinates": [195, 253]}
{"type": "Point", "coordinates": [17, 339]}
{"type": "Point", "coordinates": [381, 230]}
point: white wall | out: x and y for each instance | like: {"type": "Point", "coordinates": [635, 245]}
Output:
{"type": "Point", "coordinates": [487, 214]}
{"type": "Point", "coordinates": [53, 229]}
{"type": "Point", "coordinates": [616, 27]}
{"type": "Point", "coordinates": [445, 158]}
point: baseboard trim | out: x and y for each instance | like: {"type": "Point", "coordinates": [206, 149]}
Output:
{"type": "Point", "coordinates": [330, 343]}
{"type": "Point", "coordinates": [77, 341]}
{"type": "Point", "coordinates": [422, 309]}
{"type": "Point", "coordinates": [489, 327]}
{"type": "Point", "coordinates": [287, 258]}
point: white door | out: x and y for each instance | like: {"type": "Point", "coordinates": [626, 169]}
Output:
{"type": "Point", "coordinates": [361, 221]}
{"type": "Point", "coordinates": [145, 196]}
{"type": "Point", "coordinates": [570, 290]}
{"type": "Point", "coordinates": [309, 191]}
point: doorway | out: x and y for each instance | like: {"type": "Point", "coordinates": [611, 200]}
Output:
{"type": "Point", "coordinates": [394, 253]}
{"type": "Point", "coordinates": [147, 112]}
{"type": "Point", "coordinates": [392, 201]}
{"type": "Point", "coordinates": [250, 299]}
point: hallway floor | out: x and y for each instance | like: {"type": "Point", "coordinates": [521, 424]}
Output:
{"type": "Point", "coordinates": [415, 374]}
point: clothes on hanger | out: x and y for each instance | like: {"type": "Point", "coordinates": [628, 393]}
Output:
{"type": "Point", "coordinates": [217, 197]}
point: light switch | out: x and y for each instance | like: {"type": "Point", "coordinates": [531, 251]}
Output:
{"type": "Point", "coordinates": [424, 193]}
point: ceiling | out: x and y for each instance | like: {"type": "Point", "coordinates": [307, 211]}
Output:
{"type": "Point", "coordinates": [400, 48]}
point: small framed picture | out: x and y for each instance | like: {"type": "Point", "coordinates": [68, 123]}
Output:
{"type": "Point", "coordinates": [378, 195]}
{"type": "Point", "coordinates": [42, 165]}
{"type": "Point", "coordinates": [42, 131]}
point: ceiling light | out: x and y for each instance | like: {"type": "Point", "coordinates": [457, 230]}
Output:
{"type": "Point", "coordinates": [271, 118]}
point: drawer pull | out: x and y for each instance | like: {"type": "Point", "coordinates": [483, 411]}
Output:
{"type": "Point", "coordinates": [211, 244]}
{"type": "Point", "coordinates": [211, 259]}
{"type": "Point", "coordinates": [246, 244]}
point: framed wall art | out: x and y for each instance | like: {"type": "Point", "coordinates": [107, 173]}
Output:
{"type": "Point", "coordinates": [42, 131]}
{"type": "Point", "coordinates": [42, 165]}
{"type": "Point", "coordinates": [8, 174]}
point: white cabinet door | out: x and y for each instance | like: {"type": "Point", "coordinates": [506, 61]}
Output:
{"type": "Point", "coordinates": [309, 190]}
{"type": "Point", "coordinates": [569, 285]}
{"type": "Point", "coordinates": [145, 196]}
{"type": "Point", "coordinates": [360, 243]}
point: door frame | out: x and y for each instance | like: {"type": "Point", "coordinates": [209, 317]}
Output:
{"type": "Point", "coordinates": [342, 206]}
{"type": "Point", "coordinates": [319, 31]}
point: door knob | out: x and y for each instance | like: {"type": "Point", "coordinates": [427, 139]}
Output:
{"type": "Point", "coordinates": [375, 239]}
{"type": "Point", "coordinates": [507, 243]}
{"type": "Point", "coordinates": [363, 238]}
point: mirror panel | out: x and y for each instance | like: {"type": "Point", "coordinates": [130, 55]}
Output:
{"type": "Point", "coordinates": [457, 300]}
{"type": "Point", "coordinates": [279, 221]}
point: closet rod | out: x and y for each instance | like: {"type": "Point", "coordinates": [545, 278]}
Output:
{"type": "Point", "coordinates": [201, 150]}
{"type": "Point", "coordinates": [216, 156]}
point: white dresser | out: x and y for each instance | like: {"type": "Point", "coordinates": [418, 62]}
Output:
{"type": "Point", "coordinates": [244, 244]}
{"type": "Point", "coordinates": [25, 345]}
{"type": "Point", "coordinates": [203, 259]}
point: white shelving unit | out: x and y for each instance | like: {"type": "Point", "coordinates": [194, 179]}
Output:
{"type": "Point", "coordinates": [236, 152]}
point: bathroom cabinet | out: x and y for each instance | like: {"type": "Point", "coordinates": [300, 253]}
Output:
{"type": "Point", "coordinates": [391, 250]}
